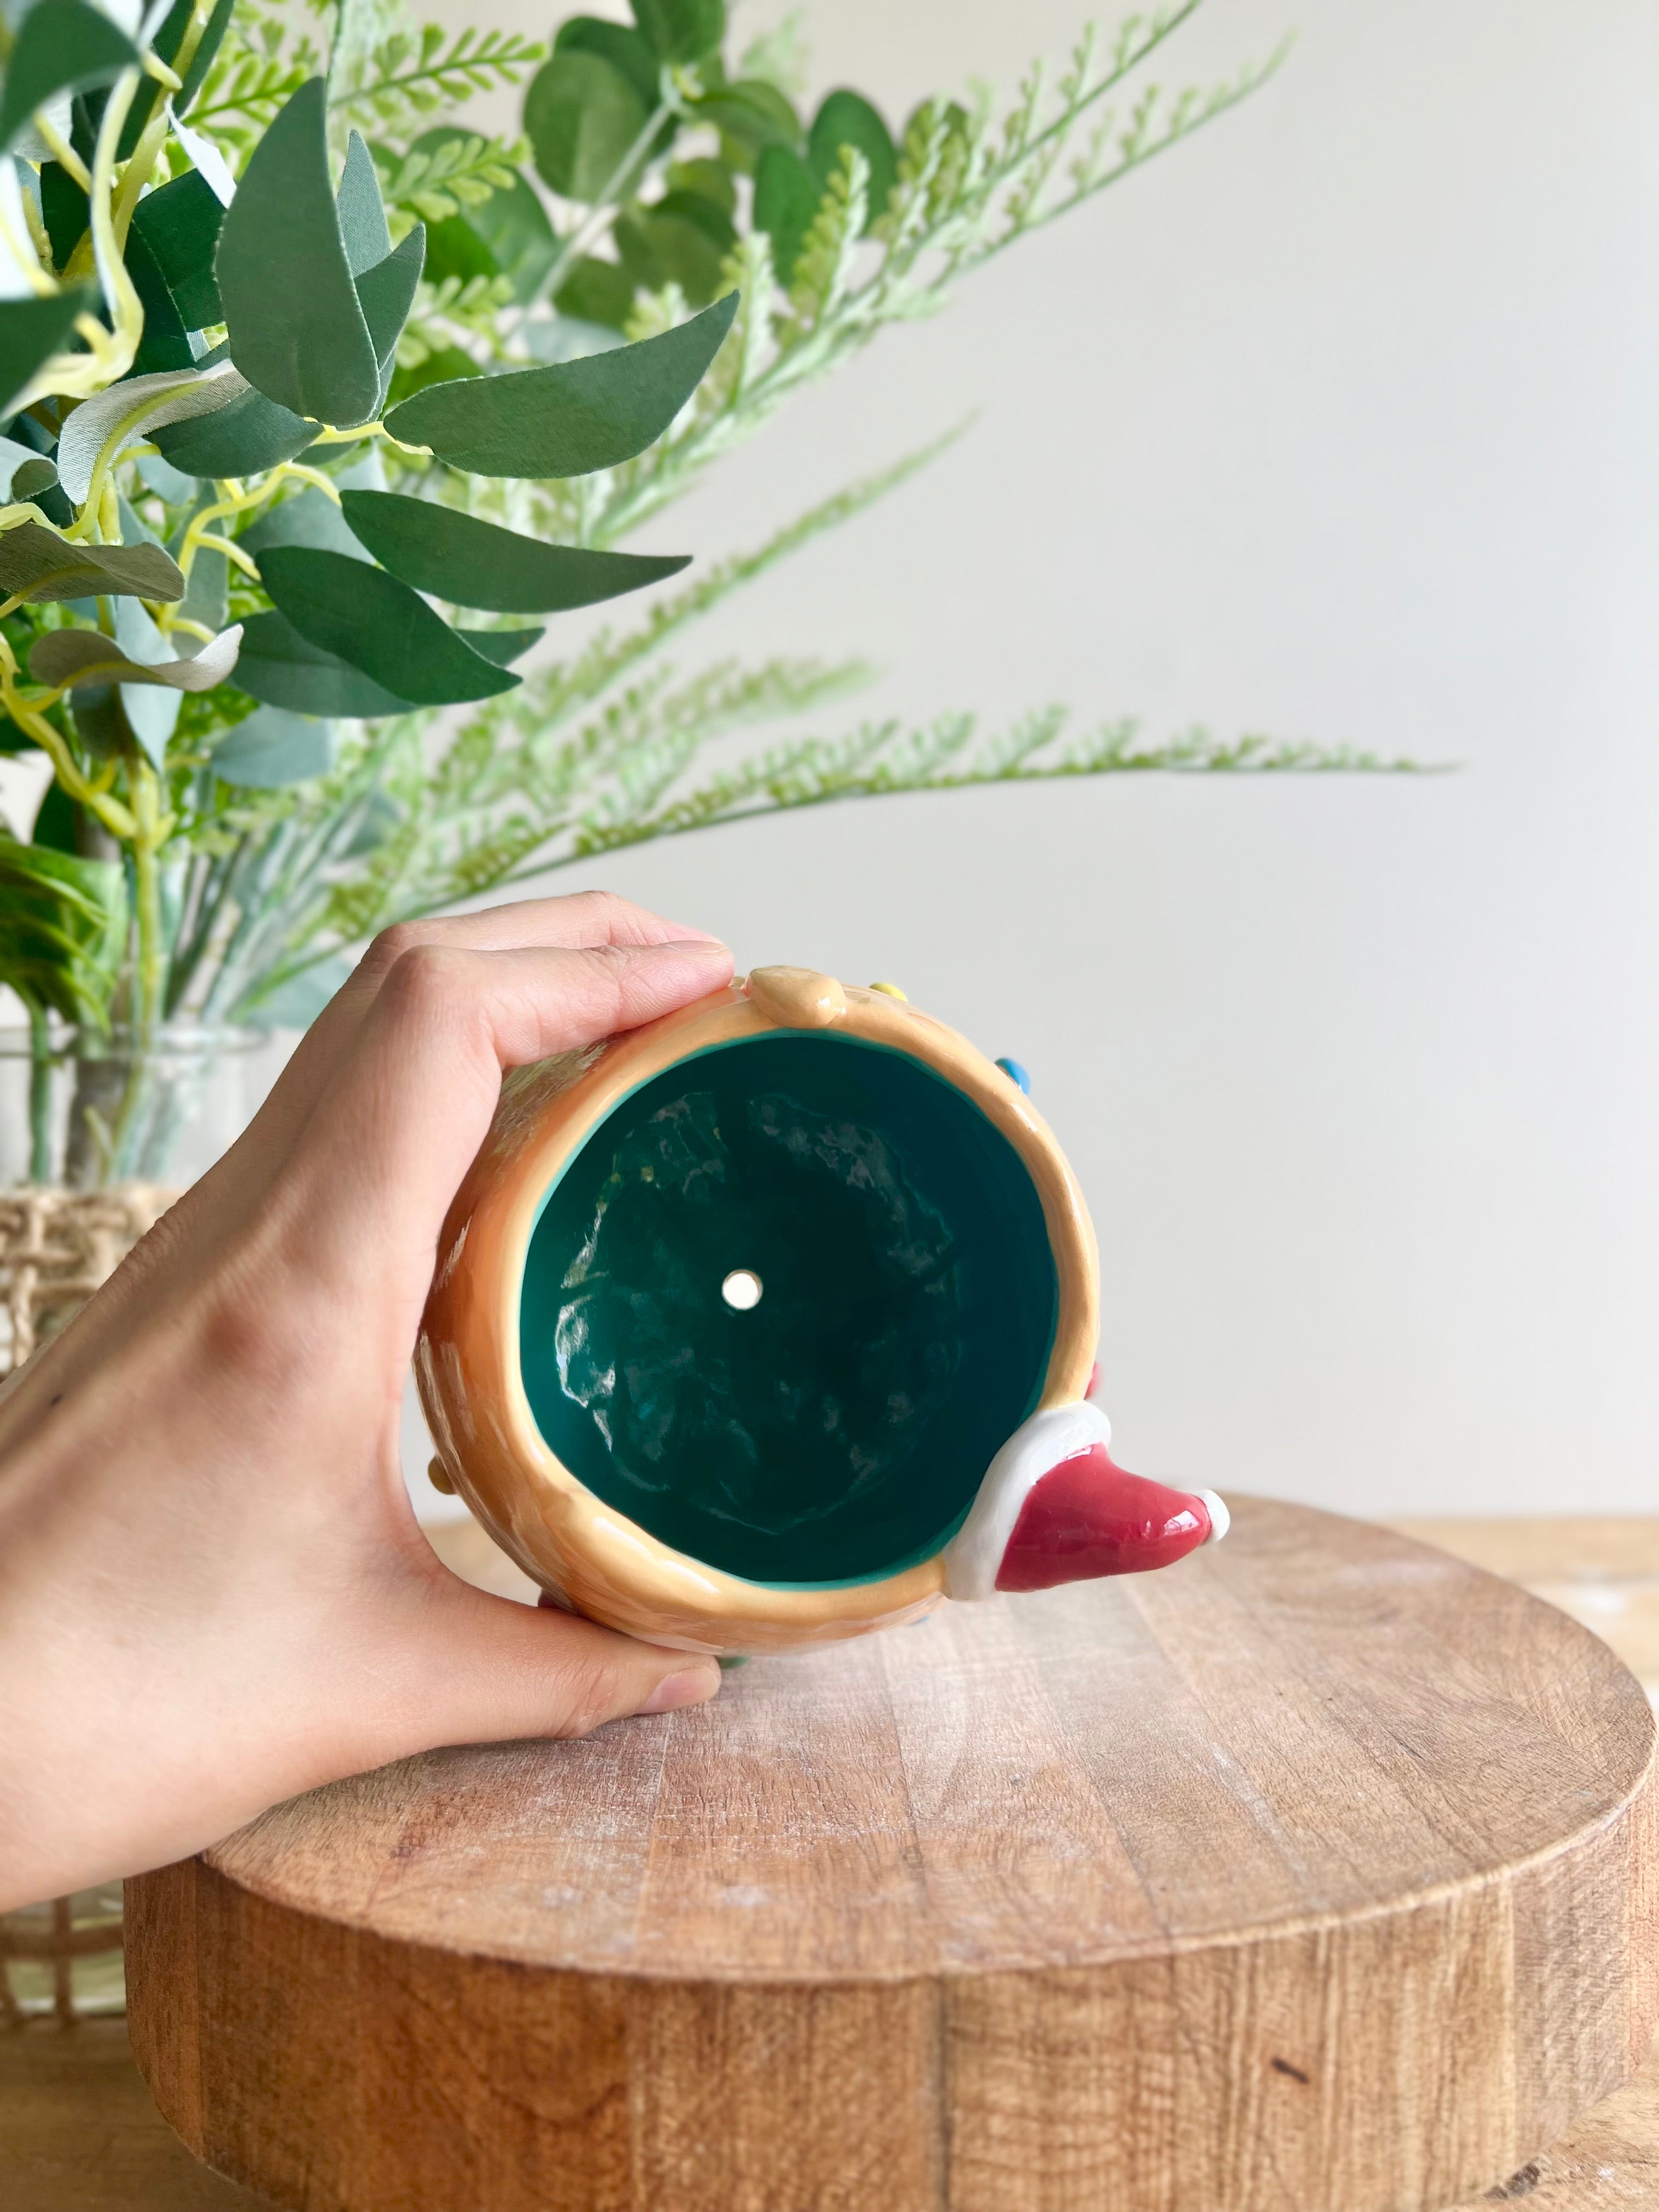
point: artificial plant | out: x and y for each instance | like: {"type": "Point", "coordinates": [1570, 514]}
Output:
{"type": "Point", "coordinates": [289, 355]}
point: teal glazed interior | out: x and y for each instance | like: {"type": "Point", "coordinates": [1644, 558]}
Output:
{"type": "Point", "coordinates": [838, 1430]}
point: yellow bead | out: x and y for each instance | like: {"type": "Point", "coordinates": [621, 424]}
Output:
{"type": "Point", "coordinates": [890, 991]}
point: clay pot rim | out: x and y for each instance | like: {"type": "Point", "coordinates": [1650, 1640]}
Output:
{"type": "Point", "coordinates": [583, 1551]}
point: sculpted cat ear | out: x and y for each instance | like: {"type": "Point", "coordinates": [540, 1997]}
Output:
{"type": "Point", "coordinates": [1054, 1508]}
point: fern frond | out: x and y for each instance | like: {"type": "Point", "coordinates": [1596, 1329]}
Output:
{"type": "Point", "coordinates": [823, 273]}
{"type": "Point", "coordinates": [438, 182]}
{"type": "Point", "coordinates": [403, 80]}
{"type": "Point", "coordinates": [969, 185]}
{"type": "Point", "coordinates": [456, 310]}
{"type": "Point", "coordinates": [884, 759]}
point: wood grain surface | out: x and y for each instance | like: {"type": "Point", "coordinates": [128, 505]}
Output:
{"type": "Point", "coordinates": [1604, 1570]}
{"type": "Point", "coordinates": [79, 2132]}
{"type": "Point", "coordinates": [1315, 1874]}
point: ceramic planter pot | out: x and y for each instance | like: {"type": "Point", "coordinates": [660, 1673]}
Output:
{"type": "Point", "coordinates": [773, 1323]}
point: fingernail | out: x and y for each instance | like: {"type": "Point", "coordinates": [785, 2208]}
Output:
{"type": "Point", "coordinates": [693, 1685]}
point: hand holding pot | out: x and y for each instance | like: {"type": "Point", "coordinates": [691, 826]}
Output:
{"type": "Point", "coordinates": [213, 1592]}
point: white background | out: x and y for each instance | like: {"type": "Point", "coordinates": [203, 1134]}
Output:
{"type": "Point", "coordinates": [1342, 423]}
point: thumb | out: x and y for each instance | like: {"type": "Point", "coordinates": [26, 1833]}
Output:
{"type": "Point", "coordinates": [488, 1670]}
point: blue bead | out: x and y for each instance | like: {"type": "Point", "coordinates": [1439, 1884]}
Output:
{"type": "Point", "coordinates": [1016, 1074]}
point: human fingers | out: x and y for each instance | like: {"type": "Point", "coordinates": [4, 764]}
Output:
{"type": "Point", "coordinates": [398, 1127]}
{"type": "Point", "coordinates": [578, 919]}
{"type": "Point", "coordinates": [473, 1668]}
{"type": "Point", "coordinates": [221, 1202]}
{"type": "Point", "coordinates": [417, 1090]}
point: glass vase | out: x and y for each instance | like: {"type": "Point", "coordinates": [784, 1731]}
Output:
{"type": "Point", "coordinates": [83, 1110]}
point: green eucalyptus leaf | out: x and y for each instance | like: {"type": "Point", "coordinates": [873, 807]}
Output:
{"type": "Point", "coordinates": [503, 646]}
{"type": "Point", "coordinates": [623, 49]}
{"type": "Point", "coordinates": [86, 656]}
{"type": "Point", "coordinates": [100, 722]}
{"type": "Point", "coordinates": [710, 180]}
{"type": "Point", "coordinates": [167, 482]}
{"type": "Point", "coordinates": [454, 248]}
{"type": "Point", "coordinates": [473, 563]}
{"type": "Point", "coordinates": [64, 46]}
{"type": "Point", "coordinates": [63, 929]}
{"type": "Point", "coordinates": [283, 669]}
{"type": "Point", "coordinates": [33, 479]}
{"type": "Point", "coordinates": [151, 708]}
{"type": "Point", "coordinates": [749, 116]}
{"type": "Point", "coordinates": [135, 530]}
{"type": "Point", "coordinates": [787, 196]}
{"type": "Point", "coordinates": [30, 331]}
{"type": "Point", "coordinates": [655, 253]}
{"type": "Point", "coordinates": [581, 116]}
{"type": "Point", "coordinates": [365, 470]}
{"type": "Point", "coordinates": [202, 60]}
{"type": "Point", "coordinates": [181, 224]}
{"type": "Point", "coordinates": [386, 293]}
{"type": "Point", "coordinates": [166, 40]}
{"type": "Point", "coordinates": [41, 565]}
{"type": "Point", "coordinates": [64, 209]}
{"type": "Point", "coordinates": [55, 825]}
{"type": "Point", "coordinates": [309, 517]}
{"type": "Point", "coordinates": [681, 239]}
{"type": "Point", "coordinates": [165, 341]}
{"type": "Point", "coordinates": [15, 460]}
{"type": "Point", "coordinates": [681, 30]}
{"type": "Point", "coordinates": [571, 418]}
{"type": "Point", "coordinates": [297, 331]}
{"type": "Point", "coordinates": [273, 747]}
{"type": "Point", "coordinates": [597, 291]}
{"type": "Point", "coordinates": [370, 619]}
{"type": "Point", "coordinates": [55, 509]}
{"type": "Point", "coordinates": [207, 595]}
{"type": "Point", "coordinates": [86, 112]}
{"type": "Point", "coordinates": [361, 211]}
{"type": "Point", "coordinates": [249, 433]}
{"type": "Point", "coordinates": [847, 118]}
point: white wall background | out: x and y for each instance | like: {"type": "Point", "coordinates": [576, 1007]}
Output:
{"type": "Point", "coordinates": [1342, 423]}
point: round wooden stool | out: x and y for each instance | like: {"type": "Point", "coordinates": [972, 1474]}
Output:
{"type": "Point", "coordinates": [1317, 1874]}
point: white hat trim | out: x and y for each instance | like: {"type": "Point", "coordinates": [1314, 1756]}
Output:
{"type": "Point", "coordinates": [973, 1558]}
